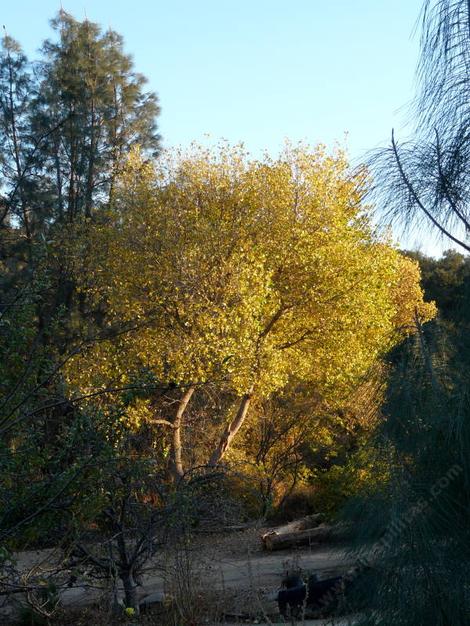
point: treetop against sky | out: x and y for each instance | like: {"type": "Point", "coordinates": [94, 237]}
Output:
{"type": "Point", "coordinates": [258, 71]}
{"type": "Point", "coordinates": [261, 71]}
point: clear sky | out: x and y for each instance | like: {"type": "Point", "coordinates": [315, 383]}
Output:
{"type": "Point", "coordinates": [259, 71]}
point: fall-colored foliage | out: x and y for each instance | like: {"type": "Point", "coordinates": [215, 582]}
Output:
{"type": "Point", "coordinates": [246, 273]}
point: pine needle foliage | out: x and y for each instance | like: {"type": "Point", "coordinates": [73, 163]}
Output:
{"type": "Point", "coordinates": [426, 180]}
{"type": "Point", "coordinates": [412, 526]}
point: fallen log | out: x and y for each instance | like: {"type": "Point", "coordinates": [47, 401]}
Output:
{"type": "Point", "coordinates": [303, 523]}
{"type": "Point", "coordinates": [281, 541]}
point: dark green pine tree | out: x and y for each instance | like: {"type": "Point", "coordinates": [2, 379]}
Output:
{"type": "Point", "coordinates": [16, 93]}
{"type": "Point", "coordinates": [67, 125]}
{"type": "Point", "coordinates": [413, 525]}
{"type": "Point", "coordinates": [444, 280]}
{"type": "Point", "coordinates": [89, 89]}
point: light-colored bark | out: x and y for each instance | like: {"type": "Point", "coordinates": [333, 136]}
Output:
{"type": "Point", "coordinates": [177, 446]}
{"type": "Point", "coordinates": [321, 534]}
{"type": "Point", "coordinates": [231, 429]}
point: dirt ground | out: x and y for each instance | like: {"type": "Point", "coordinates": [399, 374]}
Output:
{"type": "Point", "coordinates": [241, 575]}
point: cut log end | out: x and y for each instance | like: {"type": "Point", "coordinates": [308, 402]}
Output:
{"type": "Point", "coordinates": [277, 541]}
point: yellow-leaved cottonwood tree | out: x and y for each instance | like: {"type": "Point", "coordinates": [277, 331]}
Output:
{"type": "Point", "coordinates": [247, 273]}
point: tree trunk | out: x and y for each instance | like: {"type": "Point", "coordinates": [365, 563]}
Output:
{"type": "Point", "coordinates": [125, 565]}
{"type": "Point", "coordinates": [231, 429]}
{"type": "Point", "coordinates": [17, 157]}
{"type": "Point", "coordinates": [177, 462]}
{"type": "Point", "coordinates": [130, 591]}
{"type": "Point", "coordinates": [90, 182]}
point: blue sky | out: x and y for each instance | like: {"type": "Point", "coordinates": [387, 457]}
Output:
{"type": "Point", "coordinates": [259, 71]}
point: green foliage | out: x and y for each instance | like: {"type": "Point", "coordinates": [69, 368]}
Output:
{"type": "Point", "coordinates": [414, 525]}
{"type": "Point", "coordinates": [67, 125]}
{"type": "Point", "coordinates": [444, 281]}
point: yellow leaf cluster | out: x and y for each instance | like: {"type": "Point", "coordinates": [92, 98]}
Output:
{"type": "Point", "coordinates": [247, 272]}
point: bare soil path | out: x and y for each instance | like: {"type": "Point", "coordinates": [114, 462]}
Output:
{"type": "Point", "coordinates": [234, 565]}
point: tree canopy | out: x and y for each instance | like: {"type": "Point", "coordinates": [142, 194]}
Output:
{"type": "Point", "coordinates": [245, 273]}
{"type": "Point", "coordinates": [67, 121]}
